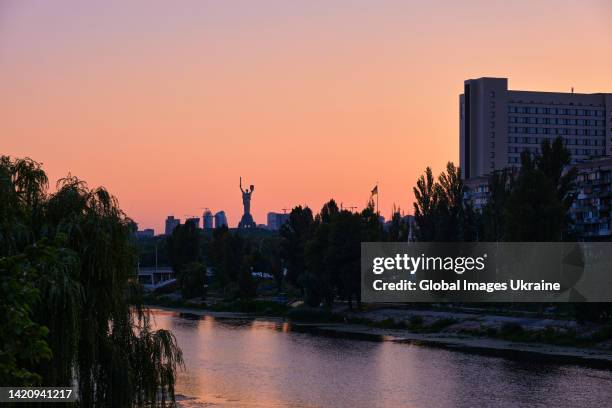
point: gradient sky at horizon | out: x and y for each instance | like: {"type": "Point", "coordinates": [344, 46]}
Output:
{"type": "Point", "coordinates": [167, 104]}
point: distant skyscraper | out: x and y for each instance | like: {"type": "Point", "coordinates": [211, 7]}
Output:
{"type": "Point", "coordinates": [220, 219]}
{"type": "Point", "coordinates": [276, 220]}
{"type": "Point", "coordinates": [208, 220]}
{"type": "Point", "coordinates": [171, 224]}
{"type": "Point", "coordinates": [498, 124]}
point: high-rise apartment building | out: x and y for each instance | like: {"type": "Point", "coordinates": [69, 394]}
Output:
{"type": "Point", "coordinates": [194, 220]}
{"type": "Point", "coordinates": [276, 220]}
{"type": "Point", "coordinates": [590, 210]}
{"type": "Point", "coordinates": [220, 219]}
{"type": "Point", "coordinates": [498, 124]}
{"type": "Point", "coordinates": [171, 224]}
{"type": "Point", "coordinates": [207, 218]}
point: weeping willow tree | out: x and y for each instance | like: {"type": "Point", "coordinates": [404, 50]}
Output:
{"type": "Point", "coordinates": [67, 265]}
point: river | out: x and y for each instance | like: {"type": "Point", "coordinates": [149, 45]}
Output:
{"type": "Point", "coordinates": [263, 363]}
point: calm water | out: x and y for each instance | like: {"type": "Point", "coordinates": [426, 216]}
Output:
{"type": "Point", "coordinates": [259, 363]}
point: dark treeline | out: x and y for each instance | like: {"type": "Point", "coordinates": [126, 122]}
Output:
{"type": "Point", "coordinates": [441, 214]}
{"type": "Point", "coordinates": [318, 255]}
{"type": "Point", "coordinates": [232, 256]}
{"type": "Point", "coordinates": [314, 254]}
{"type": "Point", "coordinates": [70, 309]}
{"type": "Point", "coordinates": [322, 252]}
{"type": "Point", "coordinates": [527, 204]}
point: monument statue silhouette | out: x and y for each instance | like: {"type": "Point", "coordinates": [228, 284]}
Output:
{"type": "Point", "coordinates": [247, 219]}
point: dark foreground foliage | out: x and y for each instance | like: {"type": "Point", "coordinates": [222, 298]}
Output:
{"type": "Point", "coordinates": [70, 308]}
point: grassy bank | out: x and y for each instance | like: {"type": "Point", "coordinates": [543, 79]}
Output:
{"type": "Point", "coordinates": [248, 306]}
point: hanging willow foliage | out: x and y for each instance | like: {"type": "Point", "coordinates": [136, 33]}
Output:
{"type": "Point", "coordinates": [75, 255]}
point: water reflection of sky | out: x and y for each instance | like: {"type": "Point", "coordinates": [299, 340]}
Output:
{"type": "Point", "coordinates": [258, 363]}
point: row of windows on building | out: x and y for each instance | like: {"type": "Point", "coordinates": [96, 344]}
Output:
{"type": "Point", "coordinates": [556, 131]}
{"type": "Point", "coordinates": [555, 111]}
{"type": "Point", "coordinates": [555, 121]}
{"type": "Point", "coordinates": [592, 202]}
{"type": "Point", "coordinates": [604, 176]}
{"type": "Point", "coordinates": [519, 149]}
{"type": "Point", "coordinates": [575, 152]}
{"type": "Point", "coordinates": [539, 140]}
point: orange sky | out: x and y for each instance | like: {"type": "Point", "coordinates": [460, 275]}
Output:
{"type": "Point", "coordinates": [168, 103]}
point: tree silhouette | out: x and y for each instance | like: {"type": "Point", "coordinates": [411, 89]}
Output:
{"type": "Point", "coordinates": [537, 208]}
{"type": "Point", "coordinates": [440, 211]}
{"type": "Point", "coordinates": [183, 248]}
{"type": "Point", "coordinates": [295, 232]}
{"type": "Point", "coordinates": [74, 255]}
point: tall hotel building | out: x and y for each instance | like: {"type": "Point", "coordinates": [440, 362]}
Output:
{"type": "Point", "coordinates": [497, 124]}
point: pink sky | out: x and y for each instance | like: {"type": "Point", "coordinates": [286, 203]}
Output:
{"type": "Point", "coordinates": [167, 104]}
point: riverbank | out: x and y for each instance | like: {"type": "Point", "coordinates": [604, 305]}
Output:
{"type": "Point", "coordinates": [257, 362]}
{"type": "Point", "coordinates": [527, 323]}
{"type": "Point", "coordinates": [454, 340]}
{"type": "Point", "coordinates": [480, 345]}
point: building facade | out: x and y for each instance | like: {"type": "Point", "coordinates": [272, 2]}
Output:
{"type": "Point", "coordinates": [590, 210]}
{"type": "Point", "coordinates": [145, 233]}
{"type": "Point", "coordinates": [477, 192]}
{"type": "Point", "coordinates": [194, 220]}
{"type": "Point", "coordinates": [498, 124]}
{"type": "Point", "coordinates": [171, 224]}
{"type": "Point", "coordinates": [276, 220]}
{"type": "Point", "coordinates": [220, 219]}
{"type": "Point", "coordinates": [207, 219]}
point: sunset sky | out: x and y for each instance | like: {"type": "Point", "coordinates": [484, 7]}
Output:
{"type": "Point", "coordinates": [168, 103]}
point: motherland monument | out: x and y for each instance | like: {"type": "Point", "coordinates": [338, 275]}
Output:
{"type": "Point", "coordinates": [247, 219]}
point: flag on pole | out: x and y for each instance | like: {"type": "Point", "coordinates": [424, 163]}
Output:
{"type": "Point", "coordinates": [374, 192]}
